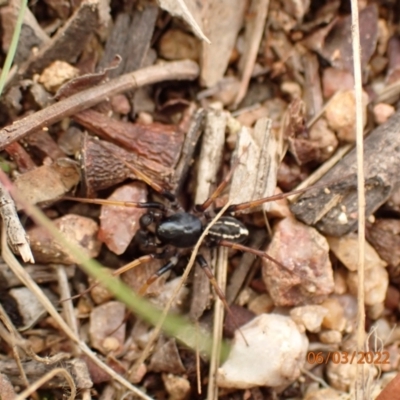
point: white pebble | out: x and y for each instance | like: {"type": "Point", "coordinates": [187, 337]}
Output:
{"type": "Point", "coordinates": [274, 356]}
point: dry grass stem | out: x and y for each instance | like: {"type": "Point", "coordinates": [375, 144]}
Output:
{"type": "Point", "coordinates": [360, 379]}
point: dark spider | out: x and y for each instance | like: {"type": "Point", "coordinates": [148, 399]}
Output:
{"type": "Point", "coordinates": [174, 230]}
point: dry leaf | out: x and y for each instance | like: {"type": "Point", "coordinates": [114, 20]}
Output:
{"type": "Point", "coordinates": [188, 11]}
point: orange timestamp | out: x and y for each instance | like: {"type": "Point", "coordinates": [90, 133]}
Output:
{"type": "Point", "coordinates": [344, 357]}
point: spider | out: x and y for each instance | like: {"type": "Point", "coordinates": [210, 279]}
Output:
{"type": "Point", "coordinates": [174, 230]}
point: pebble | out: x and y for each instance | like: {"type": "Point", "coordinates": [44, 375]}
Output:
{"type": "Point", "coordinates": [56, 74]}
{"type": "Point", "coordinates": [177, 387]}
{"type": "Point", "coordinates": [382, 112]}
{"type": "Point", "coordinates": [376, 285]}
{"type": "Point", "coordinates": [345, 249]}
{"type": "Point", "coordinates": [178, 45]}
{"type": "Point", "coordinates": [261, 304]}
{"type": "Point", "coordinates": [339, 276]}
{"type": "Point", "coordinates": [330, 337]}
{"type": "Point", "coordinates": [304, 252]}
{"type": "Point", "coordinates": [6, 388]}
{"type": "Point", "coordinates": [341, 376]}
{"type": "Point", "coordinates": [334, 318]}
{"type": "Point", "coordinates": [106, 328]}
{"type": "Point", "coordinates": [341, 115]}
{"type": "Point", "coordinates": [309, 317]}
{"type": "Point", "coordinates": [323, 394]}
{"type": "Point", "coordinates": [334, 80]}
{"type": "Point", "coordinates": [375, 311]}
{"type": "Point", "coordinates": [274, 356]}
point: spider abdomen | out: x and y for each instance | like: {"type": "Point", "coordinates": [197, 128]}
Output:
{"type": "Point", "coordinates": [180, 230]}
{"type": "Point", "coordinates": [228, 228]}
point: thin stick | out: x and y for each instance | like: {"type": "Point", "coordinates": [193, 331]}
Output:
{"type": "Point", "coordinates": [179, 70]}
{"type": "Point", "coordinates": [157, 328]}
{"type": "Point", "coordinates": [359, 388]}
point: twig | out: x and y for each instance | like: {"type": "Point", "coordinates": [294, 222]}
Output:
{"type": "Point", "coordinates": [157, 328]}
{"type": "Point", "coordinates": [179, 70]}
{"type": "Point", "coordinates": [40, 382]}
{"type": "Point", "coordinates": [254, 32]}
{"type": "Point", "coordinates": [359, 388]}
{"type": "Point", "coordinates": [16, 236]}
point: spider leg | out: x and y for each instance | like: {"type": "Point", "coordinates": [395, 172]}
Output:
{"type": "Point", "coordinates": [145, 205]}
{"type": "Point", "coordinates": [258, 253]}
{"type": "Point", "coordinates": [165, 268]}
{"type": "Point", "coordinates": [221, 186]}
{"type": "Point", "coordinates": [118, 272]}
{"type": "Point", "coordinates": [258, 202]}
{"type": "Point", "coordinates": [207, 270]}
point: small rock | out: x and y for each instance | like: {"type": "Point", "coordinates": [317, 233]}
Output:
{"type": "Point", "coordinates": [339, 276]}
{"type": "Point", "coordinates": [323, 394]}
{"type": "Point", "coordinates": [334, 79]}
{"type": "Point", "coordinates": [262, 304]}
{"type": "Point", "coordinates": [110, 344]}
{"type": "Point", "coordinates": [341, 376]}
{"type": "Point", "coordinates": [380, 333]}
{"type": "Point", "coordinates": [307, 276]}
{"type": "Point", "coordinates": [120, 104]}
{"type": "Point", "coordinates": [334, 318]}
{"type": "Point", "coordinates": [274, 356]}
{"type": "Point", "coordinates": [163, 298]}
{"type": "Point", "coordinates": [309, 316]}
{"type": "Point", "coordinates": [6, 388]}
{"type": "Point", "coordinates": [177, 387]}
{"type": "Point", "coordinates": [376, 284]}
{"type": "Point", "coordinates": [324, 138]}
{"type": "Point", "coordinates": [297, 9]}
{"type": "Point", "coordinates": [166, 358]}
{"type": "Point", "coordinates": [341, 115]}
{"type": "Point", "coordinates": [330, 337]}
{"type": "Point", "coordinates": [118, 223]}
{"type": "Point", "coordinates": [106, 324]}
{"type": "Point", "coordinates": [375, 311]}
{"type": "Point", "coordinates": [382, 112]}
{"type": "Point", "coordinates": [392, 300]}
{"type": "Point", "coordinates": [99, 293]}
{"type": "Point", "coordinates": [293, 89]}
{"type": "Point", "coordinates": [178, 45]}
{"type": "Point", "coordinates": [349, 306]}
{"type": "Point", "coordinates": [56, 74]}
{"type": "Point", "coordinates": [79, 230]}
{"type": "Point", "coordinates": [138, 375]}
{"type": "Point", "coordinates": [345, 249]}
